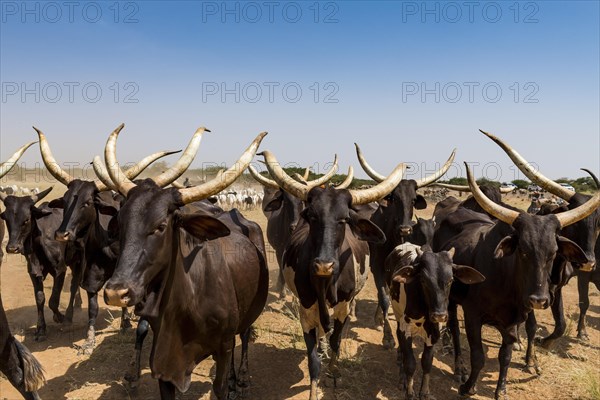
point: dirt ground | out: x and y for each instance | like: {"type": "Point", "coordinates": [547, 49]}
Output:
{"type": "Point", "coordinates": [278, 365]}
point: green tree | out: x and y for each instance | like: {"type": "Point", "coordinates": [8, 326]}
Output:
{"type": "Point", "coordinates": [521, 183]}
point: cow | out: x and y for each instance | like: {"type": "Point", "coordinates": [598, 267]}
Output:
{"type": "Point", "coordinates": [420, 289]}
{"type": "Point", "coordinates": [283, 212]}
{"type": "Point", "coordinates": [31, 233]}
{"type": "Point", "coordinates": [198, 281]}
{"type": "Point", "coordinates": [584, 233]}
{"type": "Point", "coordinates": [85, 226]}
{"type": "Point", "coordinates": [20, 367]}
{"type": "Point", "coordinates": [515, 255]}
{"type": "Point", "coordinates": [325, 263]}
{"type": "Point", "coordinates": [393, 217]}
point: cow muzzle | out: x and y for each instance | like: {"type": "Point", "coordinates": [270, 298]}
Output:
{"type": "Point", "coordinates": [538, 303]}
{"type": "Point", "coordinates": [117, 297]}
{"type": "Point", "coordinates": [64, 236]}
{"type": "Point", "coordinates": [14, 248]}
{"type": "Point", "coordinates": [438, 317]}
{"type": "Point", "coordinates": [324, 268]}
{"type": "Point", "coordinates": [588, 266]}
{"type": "Point", "coordinates": [405, 230]}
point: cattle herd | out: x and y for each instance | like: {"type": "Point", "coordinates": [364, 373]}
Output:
{"type": "Point", "coordinates": [195, 269]}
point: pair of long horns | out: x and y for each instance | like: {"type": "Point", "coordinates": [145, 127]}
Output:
{"type": "Point", "coordinates": [420, 182]}
{"type": "Point", "coordinates": [188, 195]}
{"type": "Point", "coordinates": [103, 182]}
{"type": "Point", "coordinates": [301, 190]}
{"type": "Point", "coordinates": [343, 185]}
{"type": "Point", "coordinates": [509, 216]}
{"type": "Point", "coordinates": [536, 176]}
{"type": "Point", "coordinates": [6, 166]}
{"type": "Point", "coordinates": [34, 197]}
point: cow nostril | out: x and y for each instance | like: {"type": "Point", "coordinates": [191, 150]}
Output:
{"type": "Point", "coordinates": [119, 297]}
{"type": "Point", "coordinates": [538, 303]}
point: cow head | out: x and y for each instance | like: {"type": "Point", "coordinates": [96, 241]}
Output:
{"type": "Point", "coordinates": [285, 203]}
{"type": "Point", "coordinates": [535, 243]}
{"type": "Point", "coordinates": [20, 215]}
{"type": "Point", "coordinates": [150, 217]}
{"type": "Point", "coordinates": [423, 232]}
{"type": "Point", "coordinates": [404, 198]}
{"type": "Point", "coordinates": [435, 273]}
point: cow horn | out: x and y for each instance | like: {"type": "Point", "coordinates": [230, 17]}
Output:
{"type": "Point", "coordinates": [502, 213]}
{"type": "Point", "coordinates": [306, 174]}
{"type": "Point", "coordinates": [366, 167]}
{"type": "Point", "coordinates": [348, 181]}
{"type": "Point", "coordinates": [327, 176]}
{"type": "Point", "coordinates": [380, 190]}
{"type": "Point", "coordinates": [571, 216]}
{"type": "Point", "coordinates": [437, 175]}
{"type": "Point", "coordinates": [596, 181]}
{"type": "Point", "coordinates": [222, 180]}
{"type": "Point", "coordinates": [104, 183]}
{"type": "Point", "coordinates": [464, 188]}
{"type": "Point", "coordinates": [49, 161]}
{"type": "Point", "coordinates": [282, 179]}
{"type": "Point", "coordinates": [262, 179]}
{"type": "Point", "coordinates": [177, 185]}
{"type": "Point", "coordinates": [37, 197]}
{"type": "Point", "coordinates": [121, 182]}
{"type": "Point", "coordinates": [6, 166]}
{"type": "Point", "coordinates": [184, 161]}
{"type": "Point", "coordinates": [535, 176]}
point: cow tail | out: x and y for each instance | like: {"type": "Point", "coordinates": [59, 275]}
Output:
{"type": "Point", "coordinates": [33, 372]}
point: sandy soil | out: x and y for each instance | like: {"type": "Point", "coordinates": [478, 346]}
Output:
{"type": "Point", "coordinates": [277, 360]}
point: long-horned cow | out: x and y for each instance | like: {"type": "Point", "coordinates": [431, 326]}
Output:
{"type": "Point", "coordinates": [194, 278]}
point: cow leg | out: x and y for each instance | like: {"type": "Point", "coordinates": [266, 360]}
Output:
{"type": "Point", "coordinates": [531, 363]}
{"type": "Point", "coordinates": [223, 360]}
{"type": "Point", "coordinates": [75, 294]}
{"type": "Point", "coordinates": [90, 342]}
{"type": "Point", "coordinates": [244, 375]}
{"type": "Point", "coordinates": [583, 288]}
{"type": "Point", "coordinates": [426, 363]}
{"type": "Point", "coordinates": [314, 362]}
{"type": "Point", "coordinates": [55, 297]}
{"type": "Point", "coordinates": [504, 357]}
{"type": "Point", "coordinates": [167, 390]}
{"type": "Point", "coordinates": [335, 341]}
{"type": "Point", "coordinates": [125, 320]}
{"type": "Point", "coordinates": [133, 376]}
{"type": "Point", "coordinates": [560, 324]}
{"type": "Point", "coordinates": [384, 304]}
{"type": "Point", "coordinates": [460, 369]}
{"type": "Point", "coordinates": [40, 299]}
{"type": "Point", "coordinates": [473, 328]}
{"type": "Point", "coordinates": [408, 360]}
{"type": "Point", "coordinates": [518, 345]}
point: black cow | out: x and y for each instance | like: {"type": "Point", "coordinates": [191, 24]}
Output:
{"type": "Point", "coordinates": [515, 255]}
{"type": "Point", "coordinates": [325, 264]}
{"type": "Point", "coordinates": [198, 280]}
{"type": "Point", "coordinates": [283, 213]}
{"type": "Point", "coordinates": [584, 233]}
{"type": "Point", "coordinates": [394, 217]}
{"type": "Point", "coordinates": [419, 289]}
{"type": "Point", "coordinates": [31, 233]}
{"type": "Point", "coordinates": [20, 367]}
{"type": "Point", "coordinates": [87, 210]}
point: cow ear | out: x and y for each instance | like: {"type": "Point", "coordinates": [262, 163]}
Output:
{"type": "Point", "coordinates": [570, 250]}
{"type": "Point", "coordinates": [404, 275]}
{"type": "Point", "coordinates": [275, 203]}
{"type": "Point", "coordinates": [506, 247]}
{"type": "Point", "coordinates": [467, 275]}
{"type": "Point", "coordinates": [57, 203]}
{"type": "Point", "coordinates": [40, 213]}
{"type": "Point", "coordinates": [202, 226]}
{"type": "Point", "coordinates": [420, 202]}
{"type": "Point", "coordinates": [365, 229]}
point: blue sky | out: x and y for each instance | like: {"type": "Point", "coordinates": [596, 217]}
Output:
{"type": "Point", "coordinates": [408, 81]}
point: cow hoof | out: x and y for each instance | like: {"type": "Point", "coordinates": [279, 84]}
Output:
{"type": "Point", "coordinates": [410, 396]}
{"type": "Point", "coordinates": [40, 336]}
{"type": "Point", "coordinates": [125, 325]}
{"type": "Point", "coordinates": [388, 342]}
{"type": "Point", "coordinates": [463, 390]}
{"type": "Point", "coordinates": [132, 380]}
{"type": "Point", "coordinates": [58, 318]}
{"type": "Point", "coordinates": [583, 336]}
{"type": "Point", "coordinates": [532, 369]}
{"type": "Point", "coordinates": [87, 349]}
{"type": "Point", "coordinates": [501, 395]}
{"type": "Point", "coordinates": [461, 375]}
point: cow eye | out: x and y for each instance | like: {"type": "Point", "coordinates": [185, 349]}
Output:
{"type": "Point", "coordinates": [26, 221]}
{"type": "Point", "coordinates": [161, 228]}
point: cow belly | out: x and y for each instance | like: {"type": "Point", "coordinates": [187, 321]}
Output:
{"type": "Point", "coordinates": [408, 326]}
{"type": "Point", "coordinates": [361, 273]}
